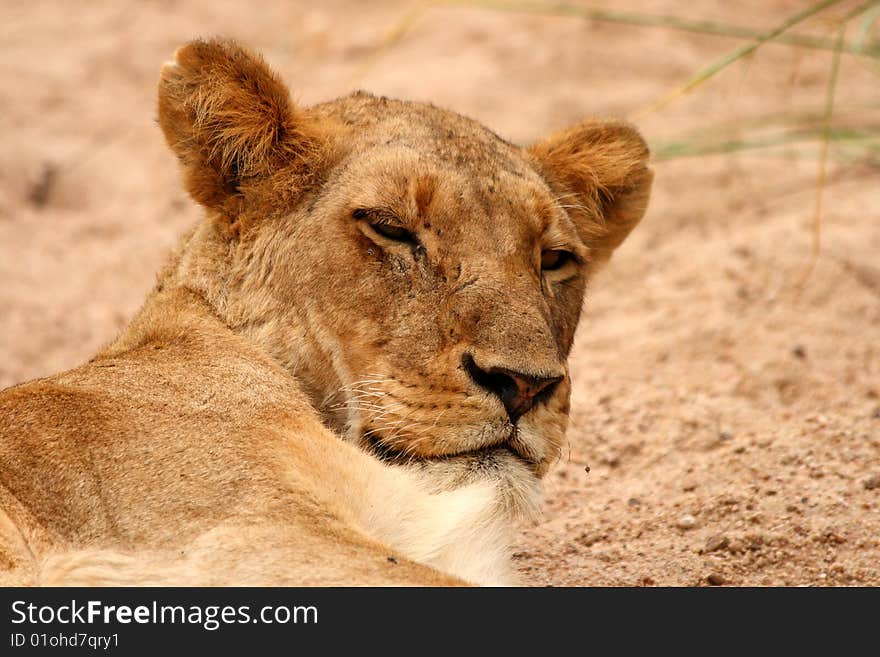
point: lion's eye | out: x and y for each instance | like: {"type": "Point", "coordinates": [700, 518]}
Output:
{"type": "Point", "coordinates": [393, 232]}
{"type": "Point", "coordinates": [554, 259]}
{"type": "Point", "coordinates": [385, 224]}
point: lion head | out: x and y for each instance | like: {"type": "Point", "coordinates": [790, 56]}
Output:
{"type": "Point", "coordinates": [421, 277]}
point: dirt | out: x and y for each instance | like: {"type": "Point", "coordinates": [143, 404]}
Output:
{"type": "Point", "coordinates": [726, 407]}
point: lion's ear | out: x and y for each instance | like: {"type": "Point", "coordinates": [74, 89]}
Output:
{"type": "Point", "coordinates": [230, 121]}
{"type": "Point", "coordinates": [599, 171]}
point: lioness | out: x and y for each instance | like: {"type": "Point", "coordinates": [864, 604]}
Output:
{"type": "Point", "coordinates": [352, 371]}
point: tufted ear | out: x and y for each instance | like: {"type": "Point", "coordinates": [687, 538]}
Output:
{"type": "Point", "coordinates": [599, 171]}
{"type": "Point", "coordinates": [231, 122]}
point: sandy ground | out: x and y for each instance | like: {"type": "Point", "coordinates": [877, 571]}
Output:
{"type": "Point", "coordinates": [726, 418]}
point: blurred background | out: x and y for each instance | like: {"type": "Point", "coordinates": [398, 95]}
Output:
{"type": "Point", "coordinates": [726, 405]}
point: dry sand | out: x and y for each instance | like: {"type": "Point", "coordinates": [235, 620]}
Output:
{"type": "Point", "coordinates": [729, 416]}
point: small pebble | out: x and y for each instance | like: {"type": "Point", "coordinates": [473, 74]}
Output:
{"type": "Point", "coordinates": [872, 482]}
{"type": "Point", "coordinates": [41, 190]}
{"type": "Point", "coordinates": [715, 579]}
{"type": "Point", "coordinates": [611, 459]}
{"type": "Point", "coordinates": [798, 351]}
{"type": "Point", "coordinates": [717, 542]}
{"type": "Point", "coordinates": [687, 521]}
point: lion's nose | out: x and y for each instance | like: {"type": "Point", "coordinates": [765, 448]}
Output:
{"type": "Point", "coordinates": [518, 391]}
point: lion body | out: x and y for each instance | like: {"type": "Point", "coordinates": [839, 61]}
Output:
{"type": "Point", "coordinates": [181, 454]}
{"type": "Point", "coordinates": [352, 371]}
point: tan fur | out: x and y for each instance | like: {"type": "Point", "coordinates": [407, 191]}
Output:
{"type": "Point", "coordinates": [297, 402]}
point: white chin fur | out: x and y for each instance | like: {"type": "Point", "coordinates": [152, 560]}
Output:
{"type": "Point", "coordinates": [456, 515]}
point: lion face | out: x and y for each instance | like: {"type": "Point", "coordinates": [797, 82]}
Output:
{"type": "Point", "coordinates": [421, 277]}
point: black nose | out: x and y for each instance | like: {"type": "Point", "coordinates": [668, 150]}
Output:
{"type": "Point", "coordinates": [518, 391]}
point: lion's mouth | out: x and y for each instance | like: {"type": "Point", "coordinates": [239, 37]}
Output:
{"type": "Point", "coordinates": [512, 446]}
